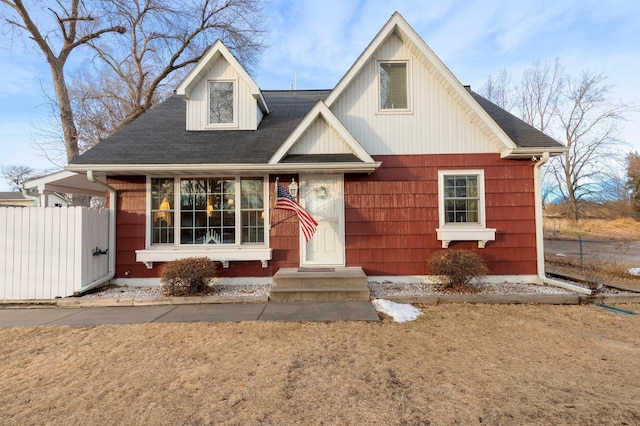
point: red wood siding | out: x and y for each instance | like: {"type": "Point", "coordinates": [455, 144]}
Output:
{"type": "Point", "coordinates": [391, 216]}
{"type": "Point", "coordinates": [130, 225]}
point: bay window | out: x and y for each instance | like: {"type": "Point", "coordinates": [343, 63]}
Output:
{"type": "Point", "coordinates": [210, 211]}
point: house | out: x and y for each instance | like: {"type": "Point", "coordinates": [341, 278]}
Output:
{"type": "Point", "coordinates": [397, 162]}
{"type": "Point", "coordinates": [17, 199]}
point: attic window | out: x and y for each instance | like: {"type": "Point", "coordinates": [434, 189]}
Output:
{"type": "Point", "coordinates": [221, 102]}
{"type": "Point", "coordinates": [393, 86]}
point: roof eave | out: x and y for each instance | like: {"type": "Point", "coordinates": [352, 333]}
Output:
{"type": "Point", "coordinates": [191, 169]}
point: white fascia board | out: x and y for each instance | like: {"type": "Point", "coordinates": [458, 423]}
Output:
{"type": "Point", "coordinates": [193, 169]}
{"type": "Point", "coordinates": [398, 23]}
{"type": "Point", "coordinates": [362, 60]}
{"type": "Point", "coordinates": [320, 109]}
{"type": "Point", "coordinates": [532, 152]}
{"type": "Point", "coordinates": [213, 54]}
{"type": "Point", "coordinates": [65, 181]}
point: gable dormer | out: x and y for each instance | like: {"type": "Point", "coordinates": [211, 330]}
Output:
{"type": "Point", "coordinates": [220, 94]}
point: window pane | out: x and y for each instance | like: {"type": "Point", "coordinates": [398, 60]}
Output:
{"type": "Point", "coordinates": [461, 199]}
{"type": "Point", "coordinates": [220, 102]}
{"type": "Point", "coordinates": [252, 210]}
{"type": "Point", "coordinates": [162, 210]}
{"type": "Point", "coordinates": [393, 85]}
{"type": "Point", "coordinates": [208, 211]}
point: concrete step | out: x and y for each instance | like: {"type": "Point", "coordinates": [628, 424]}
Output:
{"type": "Point", "coordinates": [293, 277]}
{"type": "Point", "coordinates": [326, 294]}
{"type": "Point", "coordinates": [321, 284]}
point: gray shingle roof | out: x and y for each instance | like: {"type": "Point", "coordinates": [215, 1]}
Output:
{"type": "Point", "coordinates": [11, 196]}
{"type": "Point", "coordinates": [159, 135]}
{"type": "Point", "coordinates": [521, 133]}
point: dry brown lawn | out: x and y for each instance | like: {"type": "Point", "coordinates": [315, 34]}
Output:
{"type": "Point", "coordinates": [458, 364]}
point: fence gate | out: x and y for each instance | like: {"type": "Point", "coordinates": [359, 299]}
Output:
{"type": "Point", "coordinates": [49, 252]}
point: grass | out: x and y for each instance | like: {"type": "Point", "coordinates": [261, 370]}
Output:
{"type": "Point", "coordinates": [457, 364]}
{"type": "Point", "coordinates": [622, 229]}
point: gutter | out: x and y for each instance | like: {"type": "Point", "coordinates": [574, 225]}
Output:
{"type": "Point", "coordinates": [112, 235]}
{"type": "Point", "coordinates": [194, 169]}
{"type": "Point", "coordinates": [537, 185]}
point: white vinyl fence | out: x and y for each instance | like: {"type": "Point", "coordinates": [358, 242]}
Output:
{"type": "Point", "coordinates": [48, 252]}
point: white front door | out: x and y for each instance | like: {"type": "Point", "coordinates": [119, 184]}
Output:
{"type": "Point", "coordinates": [323, 197]}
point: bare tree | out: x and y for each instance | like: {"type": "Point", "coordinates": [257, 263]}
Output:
{"type": "Point", "coordinates": [633, 180]}
{"type": "Point", "coordinates": [499, 91]}
{"type": "Point", "coordinates": [16, 175]}
{"type": "Point", "coordinates": [589, 121]}
{"type": "Point", "coordinates": [163, 40]}
{"type": "Point", "coordinates": [579, 112]}
{"type": "Point", "coordinates": [72, 26]}
{"type": "Point", "coordinates": [140, 48]}
{"type": "Point", "coordinates": [538, 93]}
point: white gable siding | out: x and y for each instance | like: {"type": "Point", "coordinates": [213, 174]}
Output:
{"type": "Point", "coordinates": [437, 123]}
{"type": "Point", "coordinates": [321, 138]}
{"type": "Point", "coordinates": [246, 104]}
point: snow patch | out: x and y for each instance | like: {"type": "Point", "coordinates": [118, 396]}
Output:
{"type": "Point", "coordinates": [401, 312]}
{"type": "Point", "coordinates": [635, 271]}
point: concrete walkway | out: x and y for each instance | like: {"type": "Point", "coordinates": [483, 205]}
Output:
{"type": "Point", "coordinates": [273, 311]}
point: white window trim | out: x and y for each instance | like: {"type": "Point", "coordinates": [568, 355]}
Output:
{"type": "Point", "coordinates": [396, 111]}
{"type": "Point", "coordinates": [232, 125]}
{"type": "Point", "coordinates": [223, 253]}
{"type": "Point", "coordinates": [448, 232]}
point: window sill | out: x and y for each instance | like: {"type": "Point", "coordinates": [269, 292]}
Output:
{"type": "Point", "coordinates": [220, 254]}
{"type": "Point", "coordinates": [466, 233]}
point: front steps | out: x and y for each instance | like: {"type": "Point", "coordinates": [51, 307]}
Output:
{"type": "Point", "coordinates": [319, 285]}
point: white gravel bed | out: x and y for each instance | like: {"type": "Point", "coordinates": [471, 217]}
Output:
{"type": "Point", "coordinates": [421, 289]}
{"type": "Point", "coordinates": [153, 292]}
{"type": "Point", "coordinates": [378, 290]}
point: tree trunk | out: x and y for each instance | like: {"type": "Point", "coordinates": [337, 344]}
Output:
{"type": "Point", "coordinates": [69, 130]}
{"type": "Point", "coordinates": [571, 194]}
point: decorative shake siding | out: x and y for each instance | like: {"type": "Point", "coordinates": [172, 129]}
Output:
{"type": "Point", "coordinates": [391, 218]}
{"type": "Point", "coordinates": [130, 224]}
{"type": "Point", "coordinates": [392, 215]}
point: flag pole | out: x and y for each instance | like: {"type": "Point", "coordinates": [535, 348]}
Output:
{"type": "Point", "coordinates": [275, 192]}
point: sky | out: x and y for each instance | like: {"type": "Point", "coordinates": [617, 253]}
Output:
{"type": "Point", "coordinates": [315, 42]}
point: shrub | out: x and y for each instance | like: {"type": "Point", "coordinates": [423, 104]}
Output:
{"type": "Point", "coordinates": [457, 268]}
{"type": "Point", "coordinates": [188, 277]}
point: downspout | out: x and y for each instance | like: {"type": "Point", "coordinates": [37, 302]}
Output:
{"type": "Point", "coordinates": [537, 188]}
{"type": "Point", "coordinates": [112, 235]}
{"type": "Point", "coordinates": [26, 194]}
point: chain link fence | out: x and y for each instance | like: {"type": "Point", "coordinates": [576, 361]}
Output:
{"type": "Point", "coordinates": [624, 252]}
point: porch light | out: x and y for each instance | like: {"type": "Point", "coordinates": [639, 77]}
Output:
{"type": "Point", "coordinates": [293, 188]}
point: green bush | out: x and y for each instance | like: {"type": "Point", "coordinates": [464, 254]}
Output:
{"type": "Point", "coordinates": [188, 277]}
{"type": "Point", "coordinates": [457, 268]}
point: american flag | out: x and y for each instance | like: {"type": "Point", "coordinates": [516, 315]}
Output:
{"type": "Point", "coordinates": [285, 201]}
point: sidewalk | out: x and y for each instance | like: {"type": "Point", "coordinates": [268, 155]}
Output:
{"type": "Point", "coordinates": [228, 312]}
